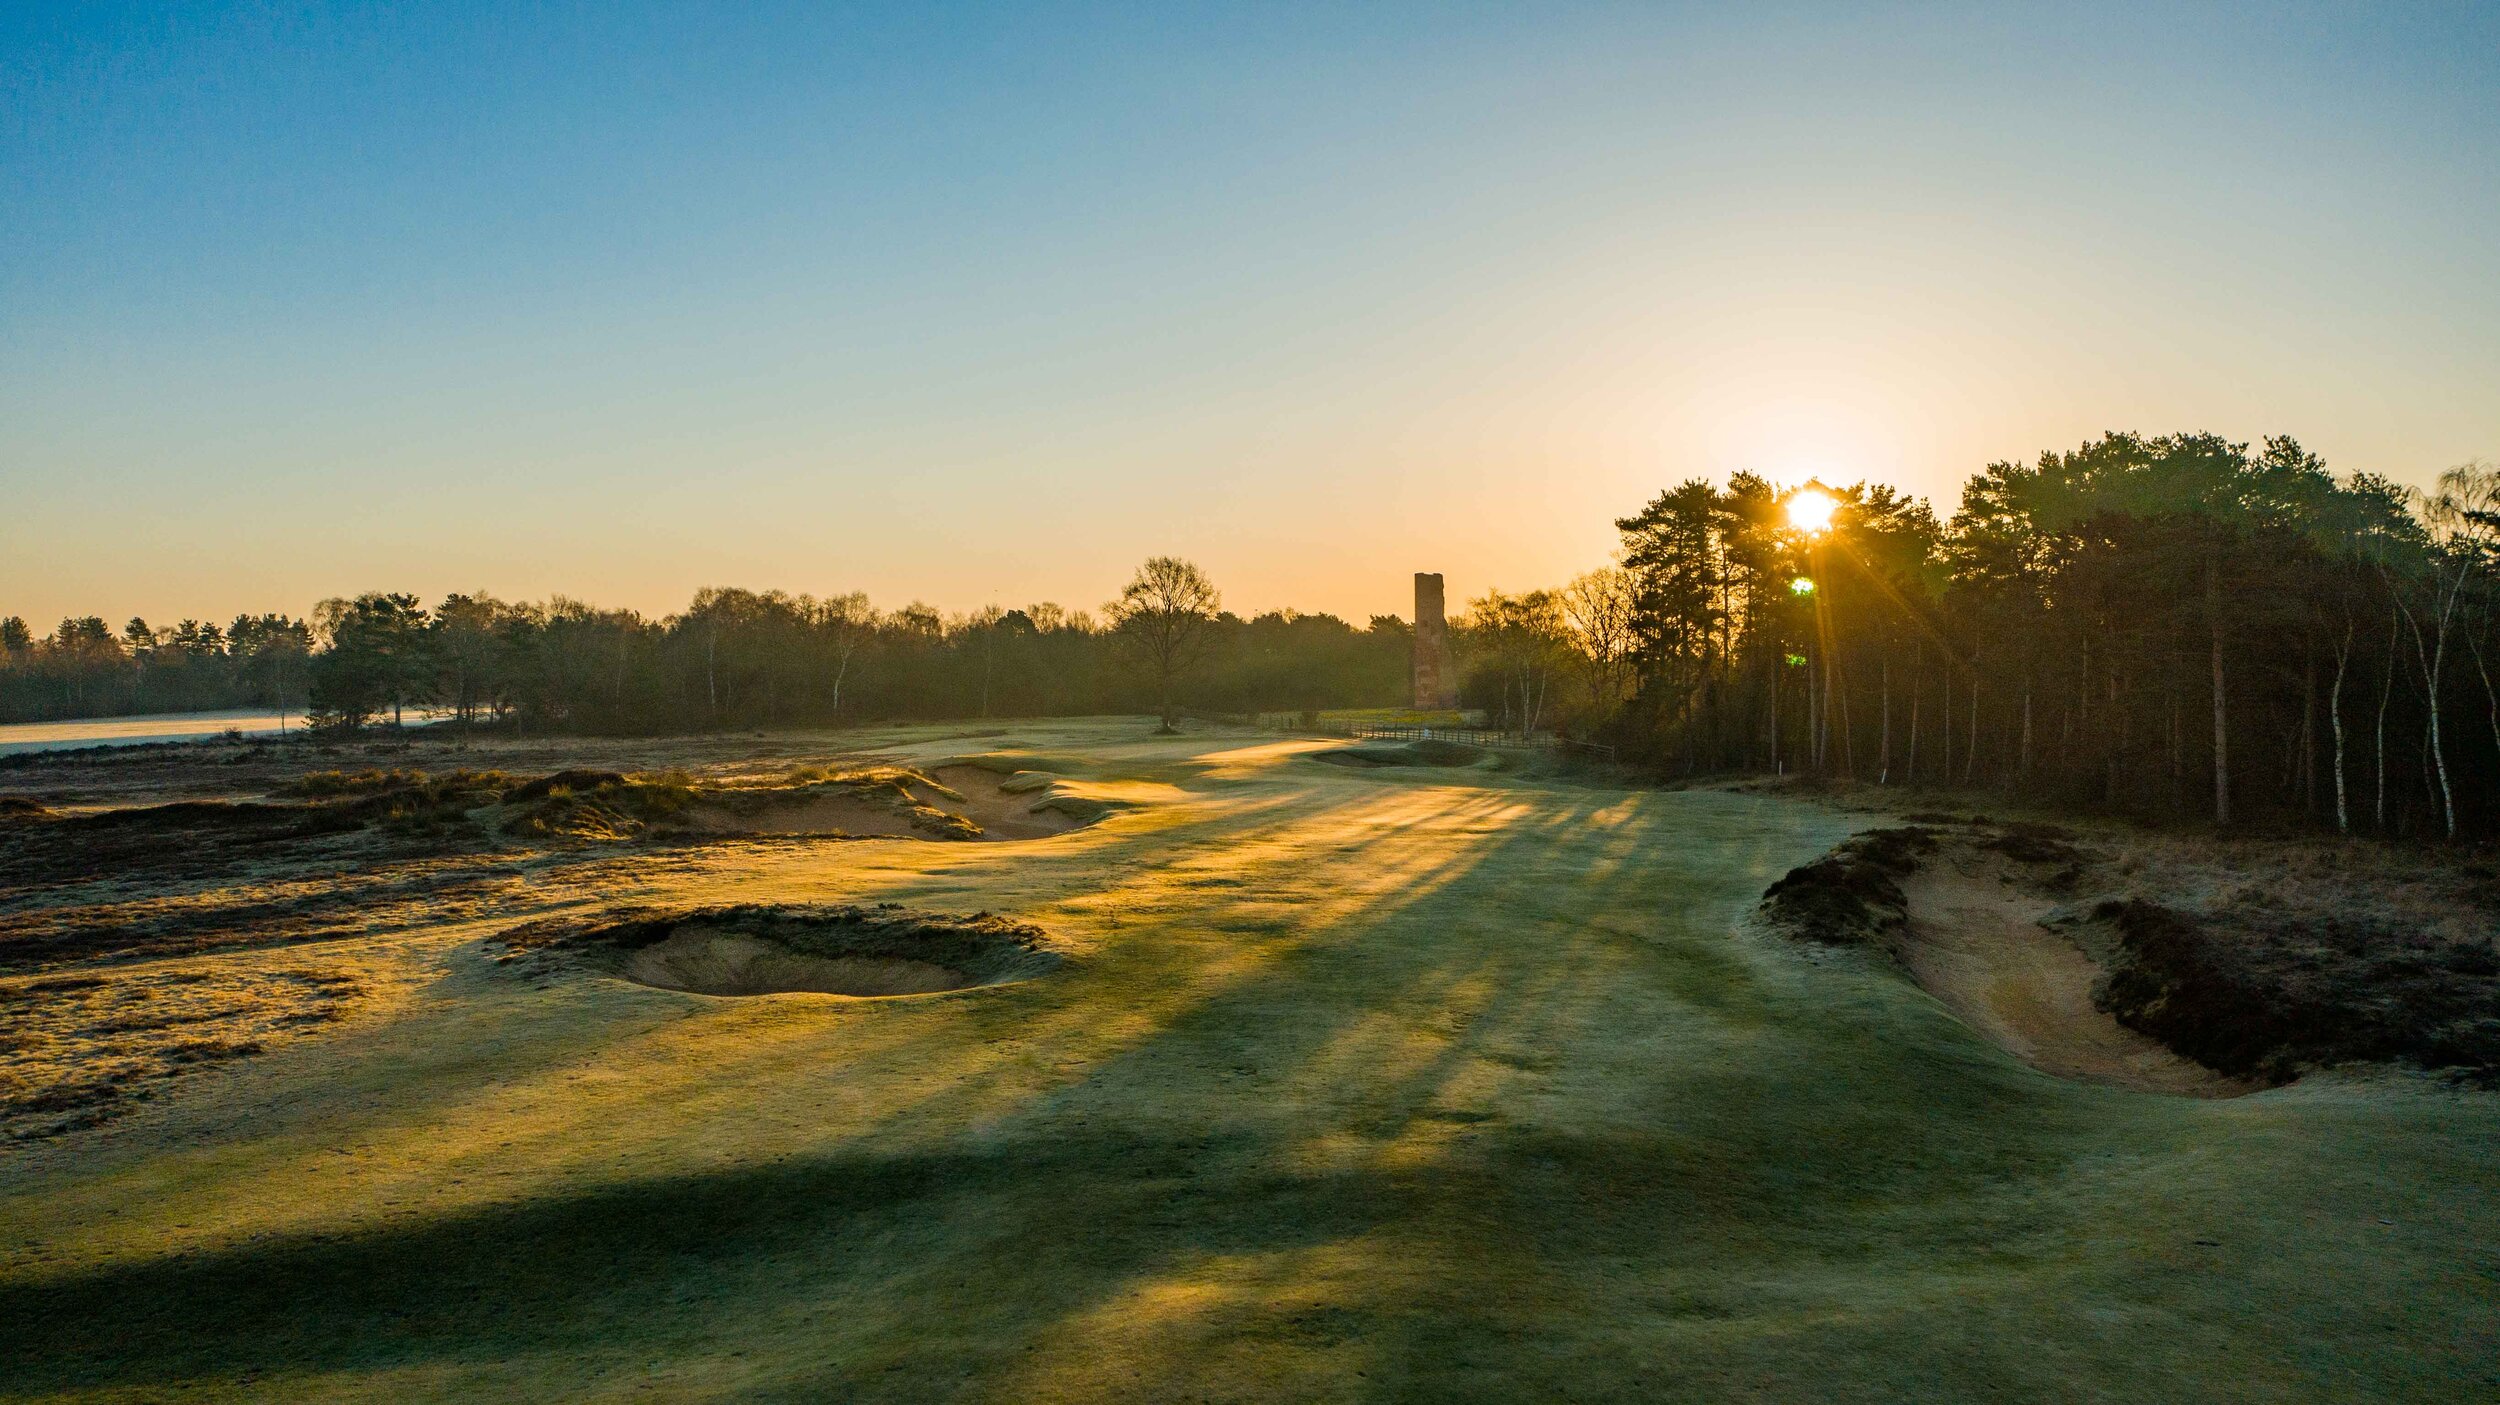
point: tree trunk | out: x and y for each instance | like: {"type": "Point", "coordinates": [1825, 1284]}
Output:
{"type": "Point", "coordinates": [1883, 763]}
{"type": "Point", "coordinates": [1814, 710]}
{"type": "Point", "coordinates": [2022, 764]}
{"type": "Point", "coordinates": [1970, 754]}
{"type": "Point", "coordinates": [1945, 730]}
{"type": "Point", "coordinates": [1848, 741]}
{"type": "Point", "coordinates": [2178, 762]}
{"type": "Point", "coordinates": [1918, 675]}
{"type": "Point", "coordinates": [1778, 664]}
{"type": "Point", "coordinates": [2309, 735]}
{"type": "Point", "coordinates": [2386, 691]}
{"type": "Point", "coordinates": [2439, 750]}
{"type": "Point", "coordinates": [2434, 663]}
{"type": "Point", "coordinates": [2490, 697]}
{"type": "Point", "coordinates": [2222, 728]}
{"type": "Point", "coordinates": [2335, 723]}
{"type": "Point", "coordinates": [2111, 780]}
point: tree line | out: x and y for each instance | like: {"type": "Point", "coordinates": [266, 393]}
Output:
{"type": "Point", "coordinates": [2157, 625]}
{"type": "Point", "coordinates": [731, 658]}
{"type": "Point", "coordinates": [84, 668]}
{"type": "Point", "coordinates": [2166, 625]}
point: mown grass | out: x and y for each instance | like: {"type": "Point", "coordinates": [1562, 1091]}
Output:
{"type": "Point", "coordinates": [1404, 1084]}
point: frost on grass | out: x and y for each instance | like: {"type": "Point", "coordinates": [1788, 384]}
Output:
{"type": "Point", "coordinates": [758, 949]}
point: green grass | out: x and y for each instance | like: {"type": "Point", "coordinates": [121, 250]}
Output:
{"type": "Point", "coordinates": [1394, 1084]}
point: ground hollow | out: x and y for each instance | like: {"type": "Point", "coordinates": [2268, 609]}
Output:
{"type": "Point", "coordinates": [756, 949]}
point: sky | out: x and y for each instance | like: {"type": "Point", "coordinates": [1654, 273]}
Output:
{"type": "Point", "coordinates": [986, 304]}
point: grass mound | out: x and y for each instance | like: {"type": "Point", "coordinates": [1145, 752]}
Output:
{"type": "Point", "coordinates": [1009, 763]}
{"type": "Point", "coordinates": [752, 949]}
{"type": "Point", "coordinates": [565, 783]}
{"type": "Point", "coordinates": [327, 785]}
{"type": "Point", "coordinates": [1852, 895]}
{"type": "Point", "coordinates": [597, 805]}
{"type": "Point", "coordinates": [2265, 1002]}
{"type": "Point", "coordinates": [844, 801]}
{"type": "Point", "coordinates": [580, 805]}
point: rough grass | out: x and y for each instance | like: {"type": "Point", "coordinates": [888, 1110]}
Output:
{"type": "Point", "coordinates": [486, 807]}
{"type": "Point", "coordinates": [980, 947]}
{"type": "Point", "coordinates": [1852, 895]}
{"type": "Point", "coordinates": [2269, 1002]}
{"type": "Point", "coordinates": [1356, 1089]}
{"type": "Point", "coordinates": [75, 1051]}
{"type": "Point", "coordinates": [601, 806]}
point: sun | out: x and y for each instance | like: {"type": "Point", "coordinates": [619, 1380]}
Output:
{"type": "Point", "coordinates": [1810, 511]}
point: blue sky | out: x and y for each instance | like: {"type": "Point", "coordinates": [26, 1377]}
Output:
{"type": "Point", "coordinates": [980, 304]}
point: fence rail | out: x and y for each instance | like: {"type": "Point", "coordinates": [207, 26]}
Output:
{"type": "Point", "coordinates": [1464, 736]}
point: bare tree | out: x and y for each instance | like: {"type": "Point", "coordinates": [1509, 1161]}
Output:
{"type": "Point", "coordinates": [2458, 535]}
{"type": "Point", "coordinates": [1599, 608]}
{"type": "Point", "coordinates": [1163, 620]}
{"type": "Point", "coordinates": [846, 621]}
{"type": "Point", "coordinates": [1526, 641]}
{"type": "Point", "coordinates": [2467, 512]}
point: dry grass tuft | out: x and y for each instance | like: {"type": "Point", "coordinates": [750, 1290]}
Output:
{"type": "Point", "coordinates": [81, 1049]}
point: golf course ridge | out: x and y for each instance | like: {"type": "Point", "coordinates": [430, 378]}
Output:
{"type": "Point", "coordinates": [756, 949]}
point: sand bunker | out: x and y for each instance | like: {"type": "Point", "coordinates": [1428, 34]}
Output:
{"type": "Point", "coordinates": [1960, 916]}
{"type": "Point", "coordinates": [1019, 805]}
{"type": "Point", "coordinates": [710, 961]}
{"type": "Point", "coordinates": [1976, 943]}
{"type": "Point", "coordinates": [951, 802]}
{"type": "Point", "coordinates": [819, 949]}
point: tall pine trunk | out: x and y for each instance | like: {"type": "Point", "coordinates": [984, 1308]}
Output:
{"type": "Point", "coordinates": [1918, 677]}
{"type": "Point", "coordinates": [2222, 728]}
{"type": "Point", "coordinates": [2490, 696]}
{"type": "Point", "coordinates": [2335, 722]}
{"type": "Point", "coordinates": [1970, 754]}
{"type": "Point", "coordinates": [1946, 697]}
{"type": "Point", "coordinates": [2022, 765]}
{"type": "Point", "coordinates": [2386, 694]}
{"type": "Point", "coordinates": [2308, 758]}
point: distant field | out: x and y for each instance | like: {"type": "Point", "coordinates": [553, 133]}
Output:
{"type": "Point", "coordinates": [124, 731]}
{"type": "Point", "coordinates": [1351, 1082]}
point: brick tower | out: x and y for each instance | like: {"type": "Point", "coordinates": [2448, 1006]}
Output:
{"type": "Point", "coordinates": [1436, 677]}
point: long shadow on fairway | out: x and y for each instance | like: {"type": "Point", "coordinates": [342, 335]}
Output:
{"type": "Point", "coordinates": [1516, 1059]}
{"type": "Point", "coordinates": [595, 1270]}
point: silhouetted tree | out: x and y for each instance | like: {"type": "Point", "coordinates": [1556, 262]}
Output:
{"type": "Point", "coordinates": [1163, 619]}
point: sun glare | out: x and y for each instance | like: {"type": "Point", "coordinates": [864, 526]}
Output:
{"type": "Point", "coordinates": [1810, 511]}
